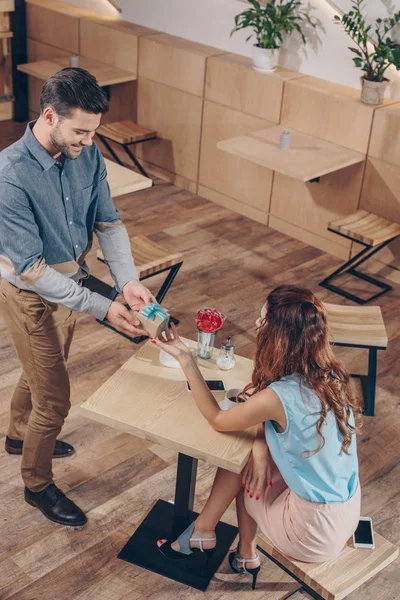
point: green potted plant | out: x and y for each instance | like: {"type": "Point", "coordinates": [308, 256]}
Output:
{"type": "Point", "coordinates": [375, 51]}
{"type": "Point", "coordinates": [269, 23]}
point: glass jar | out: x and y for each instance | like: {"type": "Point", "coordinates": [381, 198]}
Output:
{"type": "Point", "coordinates": [205, 344]}
{"type": "Point", "coordinates": [226, 357]}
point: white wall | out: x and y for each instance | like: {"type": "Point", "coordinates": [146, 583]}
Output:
{"type": "Point", "coordinates": [211, 21]}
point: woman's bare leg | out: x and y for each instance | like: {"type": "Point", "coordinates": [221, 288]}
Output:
{"type": "Point", "coordinates": [247, 531]}
{"type": "Point", "coordinates": [225, 488]}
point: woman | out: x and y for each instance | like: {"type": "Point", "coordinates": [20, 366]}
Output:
{"type": "Point", "coordinates": [305, 497]}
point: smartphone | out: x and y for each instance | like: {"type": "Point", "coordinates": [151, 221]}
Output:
{"type": "Point", "coordinates": [214, 385]}
{"type": "Point", "coordinates": [363, 536]}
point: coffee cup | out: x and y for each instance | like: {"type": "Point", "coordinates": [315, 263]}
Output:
{"type": "Point", "coordinates": [230, 399]}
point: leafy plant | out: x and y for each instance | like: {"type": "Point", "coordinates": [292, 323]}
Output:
{"type": "Point", "coordinates": [272, 21]}
{"type": "Point", "coordinates": [373, 59]}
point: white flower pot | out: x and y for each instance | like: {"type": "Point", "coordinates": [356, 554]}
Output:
{"type": "Point", "coordinates": [265, 60]}
{"type": "Point", "coordinates": [373, 92]}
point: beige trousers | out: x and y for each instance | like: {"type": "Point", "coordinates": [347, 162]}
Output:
{"type": "Point", "coordinates": [42, 333]}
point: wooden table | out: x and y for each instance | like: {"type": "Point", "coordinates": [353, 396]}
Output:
{"type": "Point", "coordinates": [151, 401]}
{"type": "Point", "coordinates": [123, 180]}
{"type": "Point", "coordinates": [105, 74]}
{"type": "Point", "coordinates": [307, 159]}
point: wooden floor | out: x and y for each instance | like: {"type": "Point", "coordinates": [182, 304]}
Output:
{"type": "Point", "coordinates": [230, 263]}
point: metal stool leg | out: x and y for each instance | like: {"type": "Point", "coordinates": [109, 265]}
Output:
{"type": "Point", "coordinates": [110, 150]}
{"type": "Point", "coordinates": [369, 395]}
{"type": "Point", "coordinates": [134, 159]}
{"type": "Point", "coordinates": [350, 267]}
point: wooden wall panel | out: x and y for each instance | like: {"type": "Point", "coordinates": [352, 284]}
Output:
{"type": "Point", "coordinates": [385, 136]}
{"type": "Point", "coordinates": [232, 81]}
{"type": "Point", "coordinates": [328, 111]}
{"type": "Point", "coordinates": [232, 176]}
{"type": "Point", "coordinates": [176, 62]}
{"type": "Point", "coordinates": [311, 206]}
{"type": "Point", "coordinates": [118, 39]}
{"type": "Point", "coordinates": [44, 24]}
{"type": "Point", "coordinates": [39, 51]}
{"type": "Point", "coordinates": [381, 189]}
{"type": "Point", "coordinates": [176, 116]}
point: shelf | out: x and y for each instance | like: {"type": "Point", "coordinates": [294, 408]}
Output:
{"type": "Point", "coordinates": [308, 157]}
{"type": "Point", "coordinates": [105, 74]}
{"type": "Point", "coordinates": [6, 34]}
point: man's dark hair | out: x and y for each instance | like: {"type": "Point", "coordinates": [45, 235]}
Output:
{"type": "Point", "coordinates": [73, 88]}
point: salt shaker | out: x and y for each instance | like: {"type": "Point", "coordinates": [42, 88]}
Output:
{"type": "Point", "coordinates": [226, 357]}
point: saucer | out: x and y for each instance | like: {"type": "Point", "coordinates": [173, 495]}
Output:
{"type": "Point", "coordinates": [169, 361]}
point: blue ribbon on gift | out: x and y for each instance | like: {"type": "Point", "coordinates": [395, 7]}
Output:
{"type": "Point", "coordinates": [153, 310]}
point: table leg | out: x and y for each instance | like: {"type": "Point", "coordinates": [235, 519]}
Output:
{"type": "Point", "coordinates": [167, 520]}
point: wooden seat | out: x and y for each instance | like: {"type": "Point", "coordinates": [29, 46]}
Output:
{"type": "Point", "coordinates": [360, 327]}
{"type": "Point", "coordinates": [150, 258]}
{"type": "Point", "coordinates": [366, 228]}
{"type": "Point", "coordinates": [123, 180]}
{"type": "Point", "coordinates": [336, 578]}
{"type": "Point", "coordinates": [374, 233]}
{"type": "Point", "coordinates": [126, 132]}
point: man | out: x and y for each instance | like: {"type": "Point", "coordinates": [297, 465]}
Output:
{"type": "Point", "coordinates": [53, 196]}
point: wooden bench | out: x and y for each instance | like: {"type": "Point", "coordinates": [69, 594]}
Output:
{"type": "Point", "coordinates": [360, 327]}
{"type": "Point", "coordinates": [125, 134]}
{"type": "Point", "coordinates": [123, 180]}
{"type": "Point", "coordinates": [374, 233]}
{"type": "Point", "coordinates": [150, 259]}
{"type": "Point", "coordinates": [336, 578]}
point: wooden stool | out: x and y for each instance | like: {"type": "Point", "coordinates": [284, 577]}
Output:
{"type": "Point", "coordinates": [150, 259]}
{"type": "Point", "coordinates": [360, 327]}
{"type": "Point", "coordinates": [374, 233]}
{"type": "Point", "coordinates": [337, 578]}
{"type": "Point", "coordinates": [125, 133]}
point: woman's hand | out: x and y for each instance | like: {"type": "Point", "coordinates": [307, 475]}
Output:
{"type": "Point", "coordinates": [170, 341]}
{"type": "Point", "coordinates": [257, 472]}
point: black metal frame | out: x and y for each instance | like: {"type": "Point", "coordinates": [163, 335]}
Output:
{"type": "Point", "coordinates": [368, 382]}
{"type": "Point", "coordinates": [167, 521]}
{"type": "Point", "coordinates": [304, 586]}
{"type": "Point", "coordinates": [96, 285]}
{"type": "Point", "coordinates": [127, 151]}
{"type": "Point", "coordinates": [350, 267]}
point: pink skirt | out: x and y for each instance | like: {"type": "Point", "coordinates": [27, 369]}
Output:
{"type": "Point", "coordinates": [306, 531]}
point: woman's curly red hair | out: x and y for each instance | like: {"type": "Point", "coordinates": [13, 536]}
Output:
{"type": "Point", "coordinates": [293, 338]}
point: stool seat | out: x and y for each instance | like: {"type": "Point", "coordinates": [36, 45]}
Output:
{"type": "Point", "coordinates": [366, 227]}
{"type": "Point", "coordinates": [149, 257]}
{"type": "Point", "coordinates": [126, 132]}
{"type": "Point", "coordinates": [360, 326]}
{"type": "Point", "coordinates": [335, 579]}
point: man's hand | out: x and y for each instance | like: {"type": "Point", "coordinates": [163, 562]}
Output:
{"type": "Point", "coordinates": [123, 320]}
{"type": "Point", "coordinates": [257, 472]}
{"type": "Point", "coordinates": [137, 295]}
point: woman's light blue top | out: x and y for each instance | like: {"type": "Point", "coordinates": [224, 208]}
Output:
{"type": "Point", "coordinates": [330, 475]}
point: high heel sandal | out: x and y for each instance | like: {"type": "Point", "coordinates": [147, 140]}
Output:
{"type": "Point", "coordinates": [184, 545]}
{"type": "Point", "coordinates": [241, 568]}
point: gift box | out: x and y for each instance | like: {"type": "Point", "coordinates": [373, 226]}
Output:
{"type": "Point", "coordinates": [154, 319]}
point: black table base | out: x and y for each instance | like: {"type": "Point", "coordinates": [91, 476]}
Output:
{"type": "Point", "coordinates": [196, 570]}
{"type": "Point", "coordinates": [167, 521]}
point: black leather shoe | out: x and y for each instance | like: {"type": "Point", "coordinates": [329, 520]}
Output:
{"type": "Point", "coordinates": [61, 448]}
{"type": "Point", "coordinates": [55, 505]}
